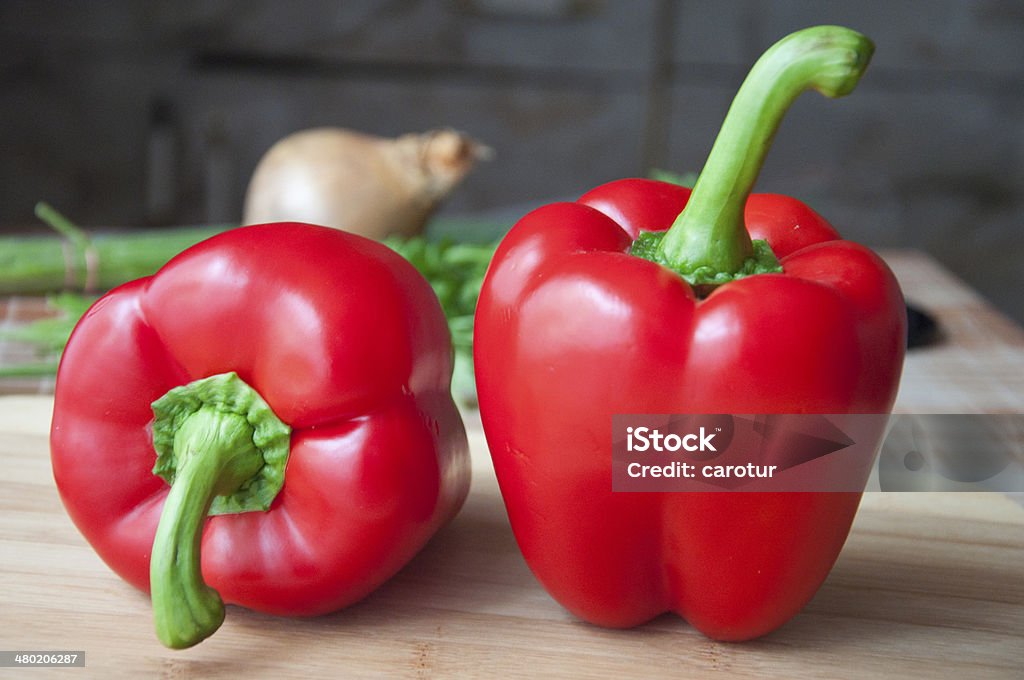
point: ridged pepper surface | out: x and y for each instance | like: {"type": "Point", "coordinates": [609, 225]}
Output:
{"type": "Point", "coordinates": [291, 381]}
{"type": "Point", "coordinates": [747, 304]}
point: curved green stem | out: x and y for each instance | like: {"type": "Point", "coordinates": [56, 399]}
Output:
{"type": "Point", "coordinates": [216, 456]}
{"type": "Point", "coordinates": [223, 451]}
{"type": "Point", "coordinates": [709, 241]}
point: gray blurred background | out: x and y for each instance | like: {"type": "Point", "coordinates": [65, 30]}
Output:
{"type": "Point", "coordinates": [129, 113]}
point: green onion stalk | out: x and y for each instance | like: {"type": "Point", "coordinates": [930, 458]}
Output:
{"type": "Point", "coordinates": [72, 267]}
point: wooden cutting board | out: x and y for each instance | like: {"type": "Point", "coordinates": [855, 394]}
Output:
{"type": "Point", "coordinates": [929, 585]}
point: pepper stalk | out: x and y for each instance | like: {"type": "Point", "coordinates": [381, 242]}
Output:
{"type": "Point", "coordinates": [708, 243]}
{"type": "Point", "coordinates": [222, 450]}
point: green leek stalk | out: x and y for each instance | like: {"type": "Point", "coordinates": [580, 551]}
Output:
{"type": "Point", "coordinates": [77, 263]}
{"type": "Point", "coordinates": [72, 260]}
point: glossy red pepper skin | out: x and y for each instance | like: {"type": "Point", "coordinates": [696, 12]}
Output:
{"type": "Point", "coordinates": [347, 344]}
{"type": "Point", "coordinates": [572, 329]}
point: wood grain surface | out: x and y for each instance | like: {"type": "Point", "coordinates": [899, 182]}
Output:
{"type": "Point", "coordinates": [929, 585]}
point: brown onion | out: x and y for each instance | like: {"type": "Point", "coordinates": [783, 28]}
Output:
{"type": "Point", "coordinates": [364, 184]}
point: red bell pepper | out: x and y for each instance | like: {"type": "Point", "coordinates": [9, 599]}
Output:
{"type": "Point", "coordinates": [576, 323]}
{"type": "Point", "coordinates": [299, 381]}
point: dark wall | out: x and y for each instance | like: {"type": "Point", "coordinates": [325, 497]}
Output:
{"type": "Point", "coordinates": [927, 153]}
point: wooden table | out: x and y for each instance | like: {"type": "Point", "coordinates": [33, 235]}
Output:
{"type": "Point", "coordinates": [928, 585]}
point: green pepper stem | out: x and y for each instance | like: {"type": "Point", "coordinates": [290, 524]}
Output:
{"type": "Point", "coordinates": [710, 234]}
{"type": "Point", "coordinates": [216, 455]}
{"type": "Point", "coordinates": [223, 451]}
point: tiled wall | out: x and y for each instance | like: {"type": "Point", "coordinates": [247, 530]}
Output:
{"type": "Point", "coordinates": [927, 153]}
